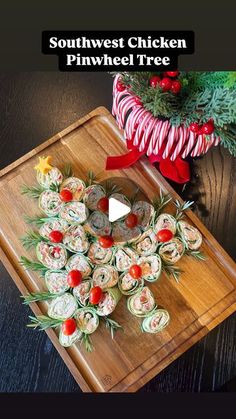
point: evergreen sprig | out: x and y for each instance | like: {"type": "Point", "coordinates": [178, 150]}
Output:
{"type": "Point", "coordinates": [67, 170]}
{"type": "Point", "coordinates": [37, 296]}
{"type": "Point", "coordinates": [160, 202]}
{"type": "Point", "coordinates": [32, 191]}
{"type": "Point", "coordinates": [112, 325]}
{"type": "Point", "coordinates": [31, 239]}
{"type": "Point", "coordinates": [43, 322]}
{"type": "Point", "coordinates": [38, 220]}
{"type": "Point", "coordinates": [32, 265]}
{"type": "Point", "coordinates": [172, 270]}
{"type": "Point", "coordinates": [91, 178]}
{"type": "Point", "coordinates": [87, 342]}
{"type": "Point", "coordinates": [196, 254]}
{"type": "Point", "coordinates": [111, 188]}
{"type": "Point", "coordinates": [181, 208]}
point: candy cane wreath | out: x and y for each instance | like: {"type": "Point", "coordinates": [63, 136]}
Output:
{"type": "Point", "coordinates": [146, 134]}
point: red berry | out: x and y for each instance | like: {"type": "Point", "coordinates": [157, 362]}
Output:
{"type": "Point", "coordinates": [176, 86]}
{"type": "Point", "coordinates": [165, 84]}
{"type": "Point", "coordinates": [74, 278]}
{"type": "Point", "coordinates": [56, 236]}
{"type": "Point", "coordinates": [154, 80]}
{"type": "Point", "coordinates": [137, 100]}
{"type": "Point", "coordinates": [172, 73]}
{"type": "Point", "coordinates": [194, 127]}
{"type": "Point", "coordinates": [106, 241]}
{"type": "Point", "coordinates": [208, 128]}
{"type": "Point", "coordinates": [120, 86]}
{"type": "Point", "coordinates": [135, 271]}
{"type": "Point", "coordinates": [103, 204]}
{"type": "Point", "coordinates": [131, 220]}
{"type": "Point", "coordinates": [68, 327]}
{"type": "Point", "coordinates": [164, 235]}
{"type": "Point", "coordinates": [95, 295]}
{"type": "Point", "coordinates": [66, 195]}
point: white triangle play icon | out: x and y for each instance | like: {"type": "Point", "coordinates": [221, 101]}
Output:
{"type": "Point", "coordinates": [117, 209]}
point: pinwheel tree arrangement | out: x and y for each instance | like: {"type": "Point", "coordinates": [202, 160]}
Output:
{"type": "Point", "coordinates": [170, 116]}
{"type": "Point", "coordinates": [88, 263]}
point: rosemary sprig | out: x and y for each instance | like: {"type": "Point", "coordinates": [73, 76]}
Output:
{"type": "Point", "coordinates": [196, 254]}
{"type": "Point", "coordinates": [160, 202]}
{"type": "Point", "coordinates": [43, 322]}
{"type": "Point", "coordinates": [90, 179]}
{"type": "Point", "coordinates": [37, 296]}
{"type": "Point", "coordinates": [37, 220]}
{"type": "Point", "coordinates": [87, 342]}
{"type": "Point", "coordinates": [112, 325]}
{"type": "Point", "coordinates": [181, 207]}
{"type": "Point", "coordinates": [32, 265]}
{"type": "Point", "coordinates": [134, 197]}
{"type": "Point", "coordinates": [31, 239]}
{"type": "Point", "coordinates": [32, 191]}
{"type": "Point", "coordinates": [172, 270]}
{"type": "Point", "coordinates": [67, 170]}
{"type": "Point", "coordinates": [111, 188]}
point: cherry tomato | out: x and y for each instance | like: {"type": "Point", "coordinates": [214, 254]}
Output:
{"type": "Point", "coordinates": [131, 220]}
{"type": "Point", "coordinates": [103, 204]}
{"type": "Point", "coordinates": [66, 195]}
{"type": "Point", "coordinates": [106, 241]}
{"type": "Point", "coordinates": [56, 236]}
{"type": "Point", "coordinates": [68, 327]}
{"type": "Point", "coordinates": [164, 235]}
{"type": "Point", "coordinates": [95, 295]}
{"type": "Point", "coordinates": [74, 278]}
{"type": "Point", "coordinates": [135, 271]}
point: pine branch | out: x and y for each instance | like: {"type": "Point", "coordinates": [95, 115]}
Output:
{"type": "Point", "coordinates": [181, 208]}
{"type": "Point", "coordinates": [32, 265]}
{"type": "Point", "coordinates": [87, 342]}
{"type": "Point", "coordinates": [160, 202]}
{"type": "Point", "coordinates": [67, 170]}
{"type": "Point", "coordinates": [31, 239]}
{"type": "Point", "coordinates": [112, 325]}
{"type": "Point", "coordinates": [172, 270]}
{"type": "Point", "coordinates": [37, 296]}
{"type": "Point", "coordinates": [43, 322]}
{"type": "Point", "coordinates": [196, 254]}
{"type": "Point", "coordinates": [37, 220]}
{"type": "Point", "coordinates": [32, 191]}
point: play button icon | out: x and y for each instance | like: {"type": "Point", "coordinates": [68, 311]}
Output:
{"type": "Point", "coordinates": [117, 209]}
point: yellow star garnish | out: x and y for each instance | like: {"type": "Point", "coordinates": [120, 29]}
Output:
{"type": "Point", "coordinates": [44, 165]}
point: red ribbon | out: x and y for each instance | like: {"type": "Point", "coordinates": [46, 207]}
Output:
{"type": "Point", "coordinates": [177, 170]}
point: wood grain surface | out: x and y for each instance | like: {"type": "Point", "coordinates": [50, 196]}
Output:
{"type": "Point", "coordinates": [191, 368]}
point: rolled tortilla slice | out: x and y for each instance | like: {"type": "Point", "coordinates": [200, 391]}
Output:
{"type": "Point", "coordinates": [76, 186]}
{"type": "Point", "coordinates": [147, 243]}
{"type": "Point", "coordinates": [172, 251]}
{"type": "Point", "coordinates": [121, 198]}
{"type": "Point", "coordinates": [62, 307]}
{"type": "Point", "coordinates": [151, 267]}
{"type": "Point", "coordinates": [125, 257]}
{"type": "Point", "coordinates": [190, 235]}
{"type": "Point", "coordinates": [67, 341]}
{"type": "Point", "coordinates": [142, 303]}
{"type": "Point", "coordinates": [98, 224]}
{"type": "Point", "coordinates": [81, 292]}
{"type": "Point", "coordinates": [50, 203]}
{"type": "Point", "coordinates": [165, 221]}
{"type": "Point", "coordinates": [156, 321]}
{"type": "Point", "coordinates": [108, 304]}
{"type": "Point", "coordinates": [54, 257]}
{"type": "Point", "coordinates": [74, 213]}
{"type": "Point", "coordinates": [56, 281]}
{"type": "Point", "coordinates": [128, 285]}
{"type": "Point", "coordinates": [105, 276]}
{"type": "Point", "coordinates": [92, 195]}
{"type": "Point", "coordinates": [98, 255]}
{"type": "Point", "coordinates": [75, 239]}
{"type": "Point", "coordinates": [53, 177]}
{"type": "Point", "coordinates": [87, 320]}
{"type": "Point", "coordinates": [122, 234]}
{"type": "Point", "coordinates": [52, 225]}
{"type": "Point", "coordinates": [80, 263]}
{"type": "Point", "coordinates": [144, 212]}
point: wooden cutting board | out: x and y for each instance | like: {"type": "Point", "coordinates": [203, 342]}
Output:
{"type": "Point", "coordinates": [205, 296]}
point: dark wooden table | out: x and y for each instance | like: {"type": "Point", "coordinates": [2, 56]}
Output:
{"type": "Point", "coordinates": [33, 107]}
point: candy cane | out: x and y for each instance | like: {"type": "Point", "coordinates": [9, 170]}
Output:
{"type": "Point", "coordinates": [163, 133]}
{"type": "Point", "coordinates": [139, 132]}
{"type": "Point", "coordinates": [217, 141]}
{"type": "Point", "coordinates": [152, 141]}
{"type": "Point", "coordinates": [133, 120]}
{"type": "Point", "coordinates": [179, 144]}
{"type": "Point", "coordinates": [123, 107]}
{"type": "Point", "coordinates": [197, 146]}
{"type": "Point", "coordinates": [170, 141]}
{"type": "Point", "coordinates": [147, 133]}
{"type": "Point", "coordinates": [189, 145]}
